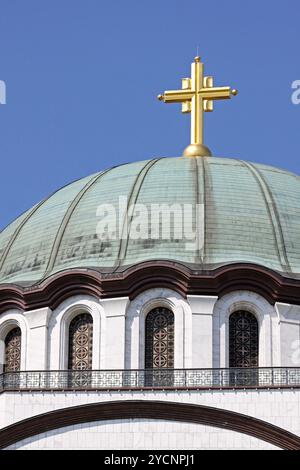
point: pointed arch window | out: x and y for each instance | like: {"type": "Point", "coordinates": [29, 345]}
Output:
{"type": "Point", "coordinates": [12, 361]}
{"type": "Point", "coordinates": [159, 344]}
{"type": "Point", "coordinates": [243, 340]}
{"type": "Point", "coordinates": [81, 342]}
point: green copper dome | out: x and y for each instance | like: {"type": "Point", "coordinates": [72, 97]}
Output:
{"type": "Point", "coordinates": [250, 214]}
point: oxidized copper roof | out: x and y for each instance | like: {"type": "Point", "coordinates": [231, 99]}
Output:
{"type": "Point", "coordinates": [251, 214]}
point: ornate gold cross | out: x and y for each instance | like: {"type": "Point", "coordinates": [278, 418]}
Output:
{"type": "Point", "coordinates": [197, 96]}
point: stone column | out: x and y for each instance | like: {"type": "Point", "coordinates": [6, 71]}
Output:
{"type": "Point", "coordinates": [289, 341]}
{"type": "Point", "coordinates": [37, 349]}
{"type": "Point", "coordinates": [115, 311]}
{"type": "Point", "coordinates": [202, 330]}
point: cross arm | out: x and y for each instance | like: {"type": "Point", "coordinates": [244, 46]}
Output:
{"type": "Point", "coordinates": [217, 93]}
{"type": "Point", "coordinates": [176, 96]}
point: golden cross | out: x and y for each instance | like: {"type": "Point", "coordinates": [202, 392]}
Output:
{"type": "Point", "coordinates": [197, 96]}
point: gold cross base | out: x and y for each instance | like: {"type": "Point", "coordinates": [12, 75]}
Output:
{"type": "Point", "coordinates": [197, 150]}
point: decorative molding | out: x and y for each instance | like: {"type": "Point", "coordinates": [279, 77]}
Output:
{"type": "Point", "coordinates": [59, 330]}
{"type": "Point", "coordinates": [9, 320]}
{"type": "Point", "coordinates": [268, 331]}
{"type": "Point", "coordinates": [271, 285]}
{"type": "Point", "coordinates": [144, 409]}
{"type": "Point", "coordinates": [136, 314]}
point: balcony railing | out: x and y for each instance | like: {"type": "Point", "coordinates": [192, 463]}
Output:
{"type": "Point", "coordinates": [160, 379]}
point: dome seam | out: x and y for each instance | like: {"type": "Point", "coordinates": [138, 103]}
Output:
{"type": "Point", "coordinates": [200, 252]}
{"type": "Point", "coordinates": [196, 179]}
{"type": "Point", "coordinates": [65, 221]}
{"type": "Point", "coordinates": [22, 224]}
{"type": "Point", "coordinates": [205, 231]}
{"type": "Point", "coordinates": [273, 214]}
{"type": "Point", "coordinates": [16, 233]}
{"type": "Point", "coordinates": [134, 194]}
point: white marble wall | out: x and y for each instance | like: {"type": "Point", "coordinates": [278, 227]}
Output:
{"type": "Point", "coordinates": [278, 407]}
{"type": "Point", "coordinates": [201, 330]}
{"type": "Point", "coordinates": [201, 341]}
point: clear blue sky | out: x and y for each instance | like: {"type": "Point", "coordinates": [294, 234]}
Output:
{"type": "Point", "coordinates": [82, 78]}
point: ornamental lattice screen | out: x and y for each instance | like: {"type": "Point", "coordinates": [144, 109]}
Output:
{"type": "Point", "coordinates": [13, 351]}
{"type": "Point", "coordinates": [81, 342]}
{"type": "Point", "coordinates": [243, 340]}
{"type": "Point", "coordinates": [159, 346]}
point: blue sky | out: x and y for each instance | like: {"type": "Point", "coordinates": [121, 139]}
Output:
{"type": "Point", "coordinates": [82, 78]}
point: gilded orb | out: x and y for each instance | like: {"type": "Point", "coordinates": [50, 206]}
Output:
{"type": "Point", "coordinates": [197, 150]}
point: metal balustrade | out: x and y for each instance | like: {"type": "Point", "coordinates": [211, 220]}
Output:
{"type": "Point", "coordinates": [188, 379]}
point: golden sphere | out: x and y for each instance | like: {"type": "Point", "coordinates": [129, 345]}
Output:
{"type": "Point", "coordinates": [234, 92]}
{"type": "Point", "coordinates": [197, 150]}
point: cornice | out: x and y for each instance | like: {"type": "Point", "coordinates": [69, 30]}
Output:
{"type": "Point", "coordinates": [273, 286]}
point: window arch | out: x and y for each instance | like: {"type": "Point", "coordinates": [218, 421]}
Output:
{"type": "Point", "coordinates": [243, 340]}
{"type": "Point", "coordinates": [12, 360]}
{"type": "Point", "coordinates": [159, 339]}
{"type": "Point", "coordinates": [81, 342]}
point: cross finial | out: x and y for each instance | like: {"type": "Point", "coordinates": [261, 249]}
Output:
{"type": "Point", "coordinates": [197, 96]}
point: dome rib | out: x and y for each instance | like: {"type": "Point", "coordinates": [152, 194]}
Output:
{"type": "Point", "coordinates": [136, 187]}
{"type": "Point", "coordinates": [204, 233]}
{"type": "Point", "coordinates": [66, 219]}
{"type": "Point", "coordinates": [273, 214]}
{"type": "Point", "coordinates": [199, 251]}
{"type": "Point", "coordinates": [16, 233]}
{"type": "Point", "coordinates": [22, 224]}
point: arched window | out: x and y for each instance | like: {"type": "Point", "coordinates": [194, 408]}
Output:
{"type": "Point", "coordinates": [12, 361]}
{"type": "Point", "coordinates": [243, 340]}
{"type": "Point", "coordinates": [81, 342]}
{"type": "Point", "coordinates": [159, 344]}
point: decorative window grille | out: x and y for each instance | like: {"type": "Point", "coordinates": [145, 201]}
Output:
{"type": "Point", "coordinates": [81, 342]}
{"type": "Point", "coordinates": [243, 340]}
{"type": "Point", "coordinates": [159, 347]}
{"type": "Point", "coordinates": [13, 351]}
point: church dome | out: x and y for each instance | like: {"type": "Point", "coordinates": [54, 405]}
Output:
{"type": "Point", "coordinates": [250, 213]}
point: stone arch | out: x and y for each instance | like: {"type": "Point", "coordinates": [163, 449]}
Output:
{"type": "Point", "coordinates": [8, 321]}
{"type": "Point", "coordinates": [147, 409]}
{"type": "Point", "coordinates": [59, 331]}
{"type": "Point", "coordinates": [269, 342]}
{"type": "Point", "coordinates": [135, 326]}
